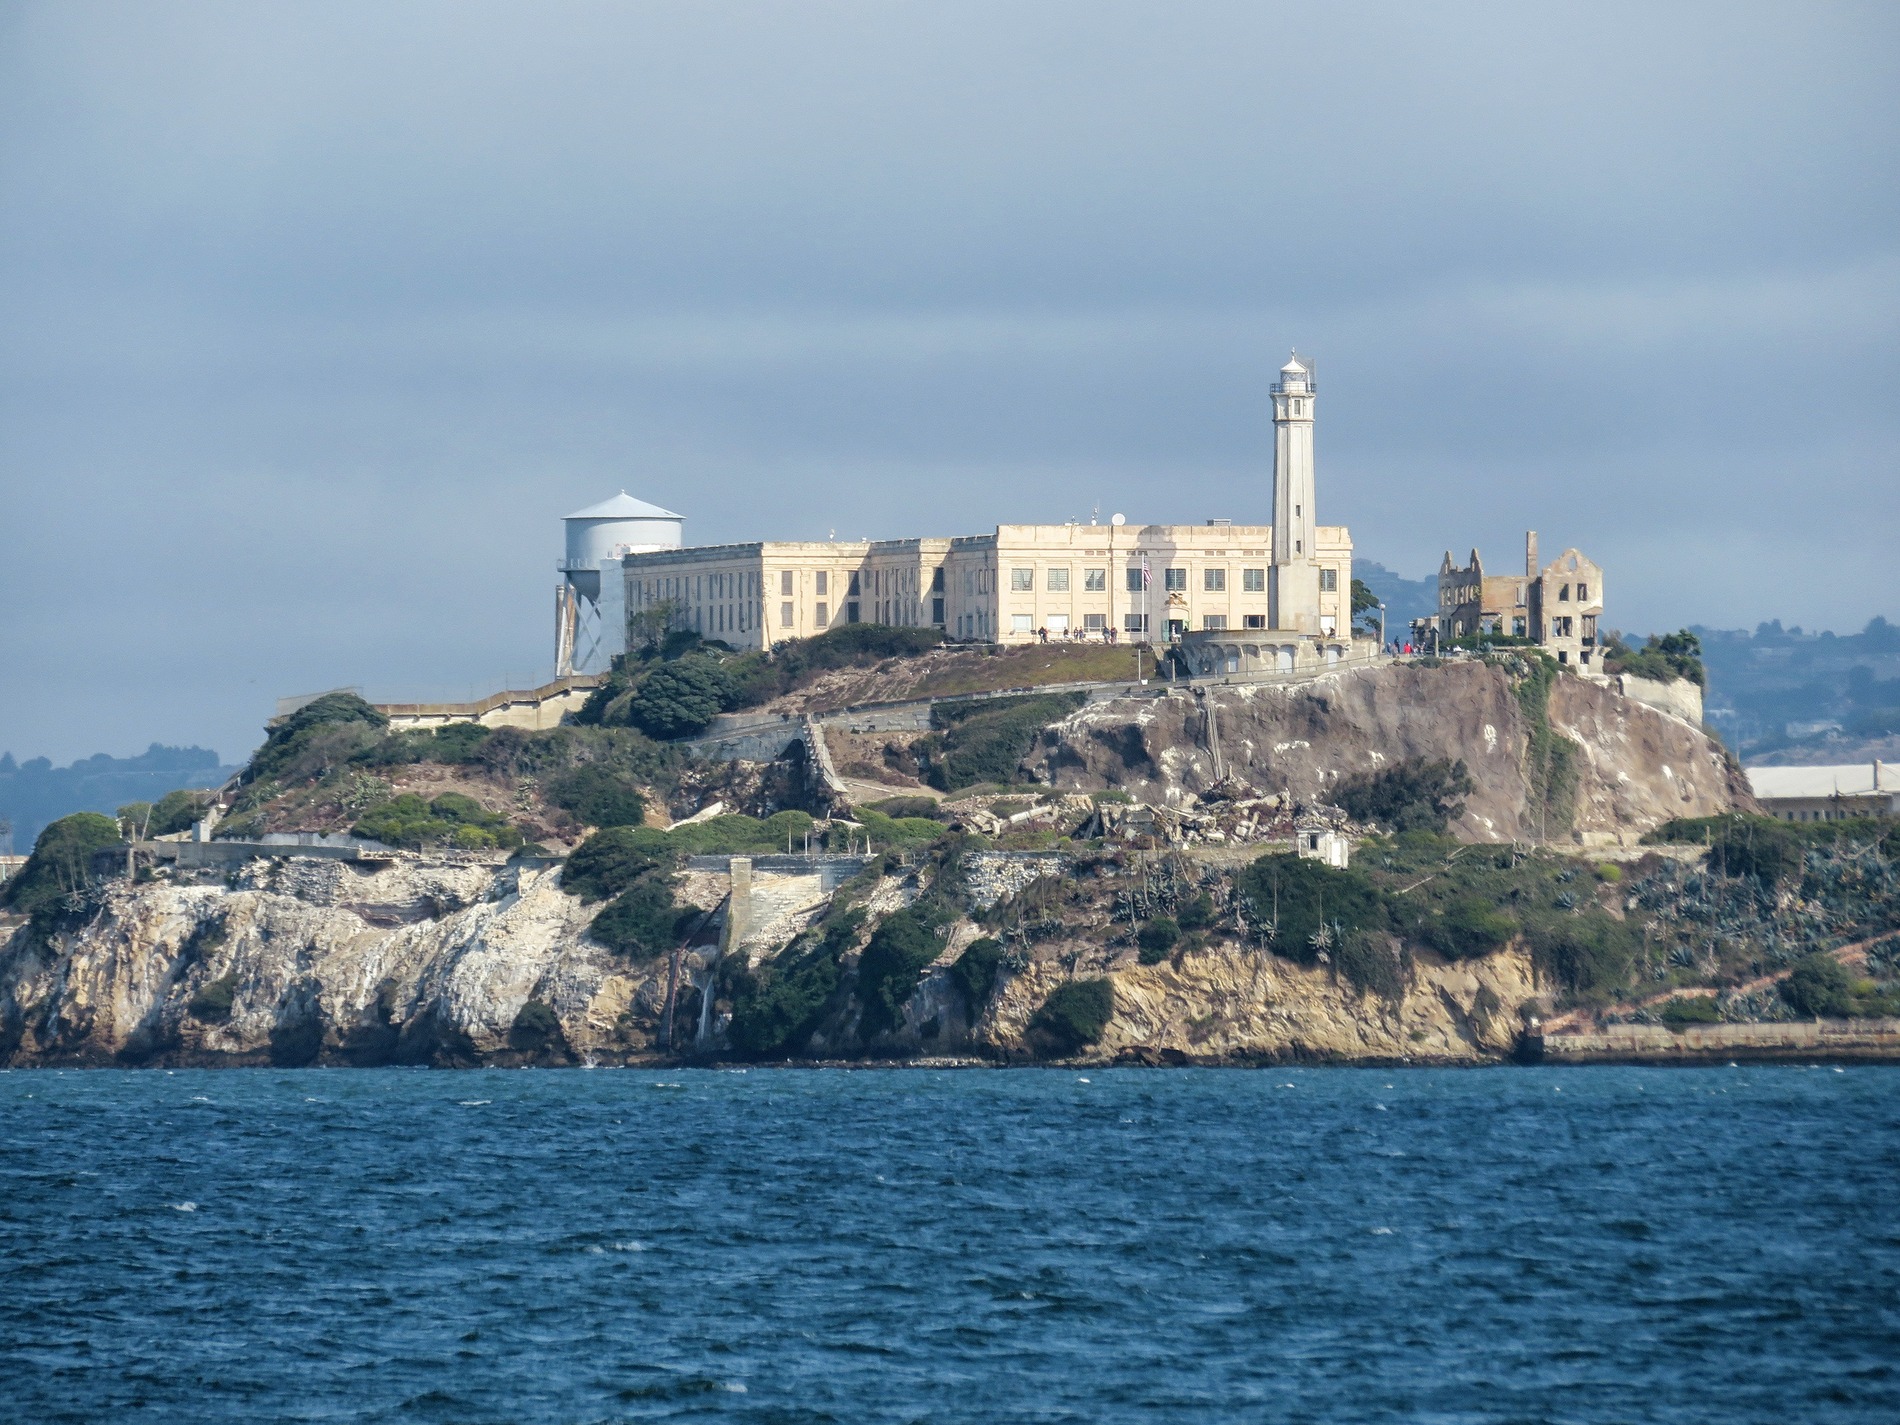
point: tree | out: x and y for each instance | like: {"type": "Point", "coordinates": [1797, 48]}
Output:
{"type": "Point", "coordinates": [680, 698]}
{"type": "Point", "coordinates": [1416, 794]}
{"type": "Point", "coordinates": [598, 796]}
{"type": "Point", "coordinates": [891, 966]}
{"type": "Point", "coordinates": [1365, 607]}
{"type": "Point", "coordinates": [1072, 1017]}
{"type": "Point", "coordinates": [61, 863]}
{"type": "Point", "coordinates": [1820, 987]}
{"type": "Point", "coordinates": [648, 627]}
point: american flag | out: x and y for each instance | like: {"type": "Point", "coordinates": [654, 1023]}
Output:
{"type": "Point", "coordinates": [1145, 576]}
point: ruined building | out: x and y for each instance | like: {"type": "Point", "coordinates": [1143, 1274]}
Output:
{"type": "Point", "coordinates": [1557, 605]}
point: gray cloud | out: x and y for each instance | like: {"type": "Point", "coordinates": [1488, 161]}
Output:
{"type": "Point", "coordinates": [319, 317]}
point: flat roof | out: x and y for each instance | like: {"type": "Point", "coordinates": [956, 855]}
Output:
{"type": "Point", "coordinates": [1853, 779]}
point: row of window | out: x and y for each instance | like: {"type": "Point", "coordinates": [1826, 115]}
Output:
{"type": "Point", "coordinates": [1174, 581]}
{"type": "Point", "coordinates": [1131, 623]}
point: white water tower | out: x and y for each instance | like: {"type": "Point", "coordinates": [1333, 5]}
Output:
{"type": "Point", "coordinates": [591, 599]}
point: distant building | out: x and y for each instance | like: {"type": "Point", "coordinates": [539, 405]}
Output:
{"type": "Point", "coordinates": [1557, 604]}
{"type": "Point", "coordinates": [1827, 793]}
{"type": "Point", "coordinates": [1283, 589]}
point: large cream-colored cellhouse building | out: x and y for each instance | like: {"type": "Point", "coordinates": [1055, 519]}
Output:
{"type": "Point", "coordinates": [1272, 595]}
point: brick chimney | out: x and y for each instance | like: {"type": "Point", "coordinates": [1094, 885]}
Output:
{"type": "Point", "coordinates": [1530, 554]}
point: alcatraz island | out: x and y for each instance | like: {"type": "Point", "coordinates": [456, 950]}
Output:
{"type": "Point", "coordinates": [1090, 793]}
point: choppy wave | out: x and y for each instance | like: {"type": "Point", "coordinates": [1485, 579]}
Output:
{"type": "Point", "coordinates": [1658, 1245]}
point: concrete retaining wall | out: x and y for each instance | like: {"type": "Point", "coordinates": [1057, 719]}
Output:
{"type": "Point", "coordinates": [1696, 1043]}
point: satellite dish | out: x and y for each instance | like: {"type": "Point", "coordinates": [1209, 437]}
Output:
{"type": "Point", "coordinates": [1118, 519]}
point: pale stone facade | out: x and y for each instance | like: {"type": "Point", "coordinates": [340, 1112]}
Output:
{"type": "Point", "coordinates": [1145, 583]}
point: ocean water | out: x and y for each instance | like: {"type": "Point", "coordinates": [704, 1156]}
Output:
{"type": "Point", "coordinates": [1120, 1245]}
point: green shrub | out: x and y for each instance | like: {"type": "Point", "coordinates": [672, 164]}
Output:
{"type": "Point", "coordinates": [1410, 795]}
{"type": "Point", "coordinates": [178, 811]}
{"type": "Point", "coordinates": [1309, 905]}
{"type": "Point", "coordinates": [898, 832]}
{"type": "Point", "coordinates": [736, 835]}
{"type": "Point", "coordinates": [642, 922]}
{"type": "Point", "coordinates": [776, 1010]}
{"type": "Point", "coordinates": [1609, 873]}
{"type": "Point", "coordinates": [1469, 928]}
{"type": "Point", "coordinates": [213, 999]}
{"type": "Point", "coordinates": [985, 740]}
{"type": "Point", "coordinates": [453, 743]}
{"type": "Point", "coordinates": [281, 756]}
{"type": "Point", "coordinates": [975, 971]}
{"type": "Point", "coordinates": [1670, 656]}
{"type": "Point", "coordinates": [1371, 963]}
{"type": "Point", "coordinates": [1550, 762]}
{"type": "Point", "coordinates": [1197, 912]}
{"type": "Point", "coordinates": [1073, 1017]}
{"type": "Point", "coordinates": [892, 965]}
{"type": "Point", "coordinates": [537, 1029]}
{"type": "Point", "coordinates": [1589, 954]}
{"type": "Point", "coordinates": [61, 863]}
{"type": "Point", "coordinates": [598, 795]}
{"type": "Point", "coordinates": [1820, 987]}
{"type": "Point", "coordinates": [679, 699]}
{"type": "Point", "coordinates": [905, 808]}
{"type": "Point", "coordinates": [1156, 939]}
{"type": "Point", "coordinates": [1690, 1009]}
{"type": "Point", "coordinates": [451, 819]}
{"type": "Point", "coordinates": [610, 861]}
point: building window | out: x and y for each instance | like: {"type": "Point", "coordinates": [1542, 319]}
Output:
{"type": "Point", "coordinates": [1329, 581]}
{"type": "Point", "coordinates": [1563, 595]}
{"type": "Point", "coordinates": [1253, 581]}
{"type": "Point", "coordinates": [1176, 627]}
{"type": "Point", "coordinates": [1094, 623]}
{"type": "Point", "coordinates": [822, 582]}
{"type": "Point", "coordinates": [936, 610]}
{"type": "Point", "coordinates": [785, 615]}
{"type": "Point", "coordinates": [851, 586]}
{"type": "Point", "coordinates": [1583, 593]}
{"type": "Point", "coordinates": [822, 614]}
{"type": "Point", "coordinates": [1094, 581]}
{"type": "Point", "coordinates": [851, 611]}
{"type": "Point", "coordinates": [936, 580]}
{"type": "Point", "coordinates": [1517, 627]}
{"type": "Point", "coordinates": [785, 582]}
{"type": "Point", "coordinates": [1137, 581]}
{"type": "Point", "coordinates": [969, 581]}
{"type": "Point", "coordinates": [1021, 623]}
{"type": "Point", "coordinates": [1022, 581]}
{"type": "Point", "coordinates": [1058, 581]}
{"type": "Point", "coordinates": [1214, 623]}
{"type": "Point", "coordinates": [1174, 580]}
{"type": "Point", "coordinates": [1135, 623]}
{"type": "Point", "coordinates": [1214, 581]}
{"type": "Point", "coordinates": [1254, 621]}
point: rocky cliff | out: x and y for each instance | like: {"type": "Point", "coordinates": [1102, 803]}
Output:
{"type": "Point", "coordinates": [302, 962]}
{"type": "Point", "coordinates": [1621, 768]}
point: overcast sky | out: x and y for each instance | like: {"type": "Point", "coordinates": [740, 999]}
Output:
{"type": "Point", "coordinates": [315, 319]}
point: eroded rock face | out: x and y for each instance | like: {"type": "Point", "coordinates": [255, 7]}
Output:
{"type": "Point", "coordinates": [306, 961]}
{"type": "Point", "coordinates": [1229, 1004]}
{"type": "Point", "coordinates": [285, 968]}
{"type": "Point", "coordinates": [1637, 766]}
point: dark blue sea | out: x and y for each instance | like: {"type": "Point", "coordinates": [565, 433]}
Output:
{"type": "Point", "coordinates": [1122, 1245]}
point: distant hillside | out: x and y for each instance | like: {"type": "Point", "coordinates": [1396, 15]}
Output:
{"type": "Point", "coordinates": [1785, 694]}
{"type": "Point", "coordinates": [1404, 599]}
{"type": "Point", "coordinates": [36, 792]}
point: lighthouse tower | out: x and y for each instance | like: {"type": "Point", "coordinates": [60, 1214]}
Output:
{"type": "Point", "coordinates": [1294, 605]}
